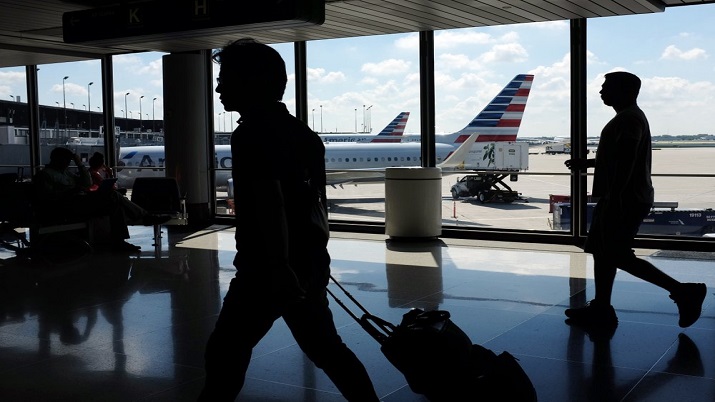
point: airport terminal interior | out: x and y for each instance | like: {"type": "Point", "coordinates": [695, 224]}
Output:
{"type": "Point", "coordinates": [79, 323]}
{"type": "Point", "coordinates": [132, 327]}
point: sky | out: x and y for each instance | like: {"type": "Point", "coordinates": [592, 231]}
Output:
{"type": "Point", "coordinates": [363, 83]}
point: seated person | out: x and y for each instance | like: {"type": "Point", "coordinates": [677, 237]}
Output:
{"type": "Point", "coordinates": [60, 192]}
{"type": "Point", "coordinates": [99, 171]}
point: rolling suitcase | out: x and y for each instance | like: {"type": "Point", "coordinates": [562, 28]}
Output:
{"type": "Point", "coordinates": [439, 360]}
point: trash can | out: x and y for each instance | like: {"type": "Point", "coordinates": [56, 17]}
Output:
{"type": "Point", "coordinates": [413, 202]}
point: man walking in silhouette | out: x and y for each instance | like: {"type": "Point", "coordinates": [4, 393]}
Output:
{"type": "Point", "coordinates": [282, 263]}
{"type": "Point", "coordinates": [622, 185]}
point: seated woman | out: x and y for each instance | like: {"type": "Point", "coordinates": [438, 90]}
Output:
{"type": "Point", "coordinates": [100, 171]}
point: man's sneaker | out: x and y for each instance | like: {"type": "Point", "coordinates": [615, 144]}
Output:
{"type": "Point", "coordinates": [593, 314]}
{"type": "Point", "coordinates": [689, 297]}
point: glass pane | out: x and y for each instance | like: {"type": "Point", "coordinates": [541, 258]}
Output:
{"type": "Point", "coordinates": [509, 85]}
{"type": "Point", "coordinates": [358, 89]}
{"type": "Point", "coordinates": [138, 116]}
{"type": "Point", "coordinates": [14, 117]}
{"type": "Point", "coordinates": [69, 94]}
{"type": "Point", "coordinates": [677, 83]}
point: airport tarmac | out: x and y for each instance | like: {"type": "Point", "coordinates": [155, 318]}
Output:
{"type": "Point", "coordinates": [687, 183]}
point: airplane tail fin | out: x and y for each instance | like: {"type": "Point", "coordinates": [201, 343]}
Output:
{"type": "Point", "coordinates": [393, 131]}
{"type": "Point", "coordinates": [501, 118]}
{"type": "Point", "coordinates": [457, 159]}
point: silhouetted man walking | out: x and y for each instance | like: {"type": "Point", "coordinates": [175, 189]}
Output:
{"type": "Point", "coordinates": [282, 263]}
{"type": "Point", "coordinates": [622, 185]}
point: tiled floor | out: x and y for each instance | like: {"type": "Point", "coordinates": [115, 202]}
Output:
{"type": "Point", "coordinates": [122, 327]}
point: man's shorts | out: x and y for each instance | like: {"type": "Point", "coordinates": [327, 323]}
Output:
{"type": "Point", "coordinates": [612, 236]}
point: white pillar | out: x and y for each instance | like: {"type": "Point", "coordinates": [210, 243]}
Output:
{"type": "Point", "coordinates": [186, 129]}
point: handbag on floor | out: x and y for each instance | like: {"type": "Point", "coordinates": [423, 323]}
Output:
{"type": "Point", "coordinates": [439, 360]}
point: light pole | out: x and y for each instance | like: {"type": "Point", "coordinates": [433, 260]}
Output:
{"type": "Point", "coordinates": [72, 103]}
{"type": "Point", "coordinates": [369, 119]}
{"type": "Point", "coordinates": [89, 109]}
{"type": "Point", "coordinates": [313, 119]}
{"type": "Point", "coordinates": [363, 119]}
{"type": "Point", "coordinates": [125, 111]}
{"type": "Point", "coordinates": [64, 101]}
{"type": "Point", "coordinates": [224, 121]}
{"type": "Point", "coordinates": [140, 113]}
{"type": "Point", "coordinates": [152, 115]}
{"type": "Point", "coordinates": [356, 120]}
{"type": "Point", "coordinates": [13, 97]}
{"type": "Point", "coordinates": [321, 118]}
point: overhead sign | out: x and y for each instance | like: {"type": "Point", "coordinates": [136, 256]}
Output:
{"type": "Point", "coordinates": [153, 19]}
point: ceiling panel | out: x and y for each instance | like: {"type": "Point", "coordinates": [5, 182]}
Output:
{"type": "Point", "coordinates": [31, 30]}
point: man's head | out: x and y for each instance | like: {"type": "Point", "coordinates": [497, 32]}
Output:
{"type": "Point", "coordinates": [620, 89]}
{"type": "Point", "coordinates": [251, 73]}
{"type": "Point", "coordinates": [60, 158]}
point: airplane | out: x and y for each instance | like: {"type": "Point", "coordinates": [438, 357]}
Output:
{"type": "Point", "coordinates": [498, 121]}
{"type": "Point", "coordinates": [361, 162]}
{"type": "Point", "coordinates": [391, 133]}
{"type": "Point", "coordinates": [148, 161]}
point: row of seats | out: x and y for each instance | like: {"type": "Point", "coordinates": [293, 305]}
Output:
{"type": "Point", "coordinates": [157, 195]}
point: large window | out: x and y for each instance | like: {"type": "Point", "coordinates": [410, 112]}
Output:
{"type": "Point", "coordinates": [358, 88]}
{"type": "Point", "coordinates": [672, 54]}
{"type": "Point", "coordinates": [509, 85]}
{"type": "Point", "coordinates": [138, 116]}
{"type": "Point", "coordinates": [14, 113]}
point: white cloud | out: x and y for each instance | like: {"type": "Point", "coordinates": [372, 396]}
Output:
{"type": "Point", "coordinates": [387, 67]}
{"type": "Point", "coordinates": [10, 77]}
{"type": "Point", "coordinates": [449, 61]}
{"type": "Point", "coordinates": [408, 42]}
{"type": "Point", "coordinates": [673, 53]}
{"type": "Point", "coordinates": [551, 25]}
{"type": "Point", "coordinates": [333, 77]}
{"type": "Point", "coordinates": [505, 53]}
{"type": "Point", "coordinates": [321, 76]}
{"type": "Point", "coordinates": [461, 38]}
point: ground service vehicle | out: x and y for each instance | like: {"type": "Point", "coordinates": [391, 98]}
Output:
{"type": "Point", "coordinates": [487, 187]}
{"type": "Point", "coordinates": [493, 162]}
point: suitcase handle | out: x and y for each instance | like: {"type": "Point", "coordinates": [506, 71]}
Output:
{"type": "Point", "coordinates": [378, 328]}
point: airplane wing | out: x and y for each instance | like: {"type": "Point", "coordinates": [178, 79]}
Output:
{"type": "Point", "coordinates": [354, 176]}
{"type": "Point", "coordinates": [457, 159]}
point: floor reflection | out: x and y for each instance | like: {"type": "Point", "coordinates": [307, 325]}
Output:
{"type": "Point", "coordinates": [123, 327]}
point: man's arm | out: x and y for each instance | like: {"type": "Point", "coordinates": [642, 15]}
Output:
{"type": "Point", "coordinates": [84, 178]}
{"type": "Point", "coordinates": [580, 163]}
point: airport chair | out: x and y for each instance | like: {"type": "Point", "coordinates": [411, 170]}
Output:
{"type": "Point", "coordinates": [14, 211]}
{"type": "Point", "coordinates": [53, 241]}
{"type": "Point", "coordinates": [160, 196]}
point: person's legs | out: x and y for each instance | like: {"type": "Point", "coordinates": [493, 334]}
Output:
{"type": "Point", "coordinates": [311, 323]}
{"type": "Point", "coordinates": [604, 273]}
{"type": "Point", "coordinates": [610, 241]}
{"type": "Point", "coordinates": [598, 314]}
{"type": "Point", "coordinates": [646, 271]}
{"type": "Point", "coordinates": [243, 321]}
